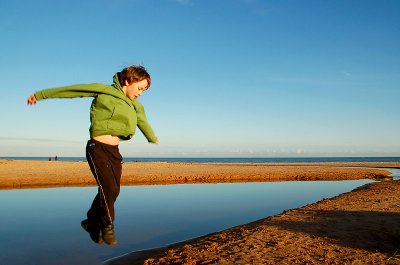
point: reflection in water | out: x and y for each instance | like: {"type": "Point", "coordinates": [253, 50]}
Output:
{"type": "Point", "coordinates": [42, 226]}
{"type": "Point", "coordinates": [93, 230]}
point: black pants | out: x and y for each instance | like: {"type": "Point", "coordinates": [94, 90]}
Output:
{"type": "Point", "coordinates": [105, 163]}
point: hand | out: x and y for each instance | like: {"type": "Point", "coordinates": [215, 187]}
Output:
{"type": "Point", "coordinates": [32, 100]}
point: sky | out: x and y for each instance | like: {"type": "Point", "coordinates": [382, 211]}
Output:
{"type": "Point", "coordinates": [230, 78]}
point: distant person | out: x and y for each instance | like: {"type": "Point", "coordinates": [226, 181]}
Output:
{"type": "Point", "coordinates": [114, 114]}
{"type": "Point", "coordinates": [55, 158]}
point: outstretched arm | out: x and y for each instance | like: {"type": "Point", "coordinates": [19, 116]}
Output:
{"type": "Point", "coordinates": [65, 92]}
{"type": "Point", "coordinates": [84, 90]}
{"type": "Point", "coordinates": [77, 91]}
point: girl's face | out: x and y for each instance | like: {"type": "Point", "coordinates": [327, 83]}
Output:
{"type": "Point", "coordinates": [135, 89]}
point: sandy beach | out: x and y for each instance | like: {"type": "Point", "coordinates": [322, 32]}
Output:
{"type": "Point", "coordinates": [359, 227]}
{"type": "Point", "coordinates": [30, 174]}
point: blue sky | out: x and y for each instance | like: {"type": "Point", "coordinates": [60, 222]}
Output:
{"type": "Point", "coordinates": [233, 78]}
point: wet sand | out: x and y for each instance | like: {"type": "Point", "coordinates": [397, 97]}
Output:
{"type": "Point", "coordinates": [359, 227]}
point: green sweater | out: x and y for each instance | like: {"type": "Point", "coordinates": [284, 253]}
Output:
{"type": "Point", "coordinates": [111, 112]}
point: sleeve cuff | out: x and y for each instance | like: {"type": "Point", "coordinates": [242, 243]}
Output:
{"type": "Point", "coordinates": [39, 95]}
{"type": "Point", "coordinates": [153, 140]}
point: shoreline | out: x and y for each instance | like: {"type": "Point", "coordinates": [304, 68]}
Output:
{"type": "Point", "coordinates": [19, 174]}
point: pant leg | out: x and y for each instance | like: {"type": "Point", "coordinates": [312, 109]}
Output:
{"type": "Point", "coordinates": [95, 211]}
{"type": "Point", "coordinates": [105, 164]}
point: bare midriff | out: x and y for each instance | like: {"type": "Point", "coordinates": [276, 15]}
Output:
{"type": "Point", "coordinates": [107, 139]}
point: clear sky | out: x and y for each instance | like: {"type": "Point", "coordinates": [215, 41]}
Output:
{"type": "Point", "coordinates": [230, 78]}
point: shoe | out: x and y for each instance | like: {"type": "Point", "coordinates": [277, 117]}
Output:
{"type": "Point", "coordinates": [93, 230]}
{"type": "Point", "coordinates": [108, 235]}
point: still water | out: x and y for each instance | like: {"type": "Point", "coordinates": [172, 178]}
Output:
{"type": "Point", "coordinates": [42, 226]}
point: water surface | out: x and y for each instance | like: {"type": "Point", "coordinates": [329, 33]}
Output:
{"type": "Point", "coordinates": [395, 173]}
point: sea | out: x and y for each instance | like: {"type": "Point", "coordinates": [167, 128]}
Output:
{"type": "Point", "coordinates": [224, 159]}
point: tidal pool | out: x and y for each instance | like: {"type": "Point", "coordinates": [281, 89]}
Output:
{"type": "Point", "coordinates": [42, 226]}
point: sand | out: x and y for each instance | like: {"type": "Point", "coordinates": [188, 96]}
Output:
{"type": "Point", "coordinates": [359, 227]}
{"type": "Point", "coordinates": [31, 174]}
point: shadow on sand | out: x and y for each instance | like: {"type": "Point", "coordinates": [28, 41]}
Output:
{"type": "Point", "coordinates": [372, 231]}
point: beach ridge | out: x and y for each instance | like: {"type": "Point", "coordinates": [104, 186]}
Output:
{"type": "Point", "coordinates": [15, 174]}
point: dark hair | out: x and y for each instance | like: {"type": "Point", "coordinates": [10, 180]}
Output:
{"type": "Point", "coordinates": [134, 73]}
